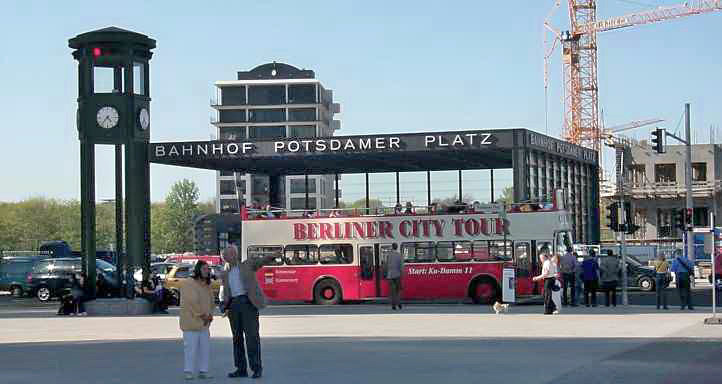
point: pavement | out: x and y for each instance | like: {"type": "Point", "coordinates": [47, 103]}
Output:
{"type": "Point", "coordinates": [423, 343]}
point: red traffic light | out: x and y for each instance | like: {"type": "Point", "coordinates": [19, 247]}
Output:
{"type": "Point", "coordinates": [97, 52]}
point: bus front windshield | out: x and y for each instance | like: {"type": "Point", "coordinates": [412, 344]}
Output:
{"type": "Point", "coordinates": [563, 242]}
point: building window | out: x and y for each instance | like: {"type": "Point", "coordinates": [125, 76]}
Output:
{"type": "Point", "coordinates": [301, 131]}
{"type": "Point", "coordinates": [232, 115]}
{"type": "Point", "coordinates": [233, 95]}
{"type": "Point", "coordinates": [232, 133]}
{"type": "Point", "coordinates": [638, 174]}
{"type": "Point", "coordinates": [267, 94]}
{"type": "Point", "coordinates": [229, 205]}
{"type": "Point", "coordinates": [269, 132]}
{"type": "Point", "coordinates": [266, 115]}
{"type": "Point", "coordinates": [302, 114]}
{"type": "Point", "coordinates": [299, 185]}
{"type": "Point", "coordinates": [227, 173]}
{"type": "Point", "coordinates": [665, 173]}
{"type": "Point", "coordinates": [699, 171]}
{"type": "Point", "coordinates": [302, 94]}
{"type": "Point", "coordinates": [300, 203]}
{"type": "Point", "coordinates": [228, 187]}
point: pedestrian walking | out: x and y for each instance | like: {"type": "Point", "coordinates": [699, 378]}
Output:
{"type": "Point", "coordinates": [661, 280]}
{"type": "Point", "coordinates": [568, 267]}
{"type": "Point", "coordinates": [548, 277]}
{"type": "Point", "coordinates": [610, 271]}
{"type": "Point", "coordinates": [557, 287]}
{"type": "Point", "coordinates": [591, 278]}
{"type": "Point", "coordinates": [196, 308]}
{"type": "Point", "coordinates": [684, 271]}
{"type": "Point", "coordinates": [242, 299]}
{"type": "Point", "coordinates": [394, 273]}
{"type": "Point", "coordinates": [578, 280]}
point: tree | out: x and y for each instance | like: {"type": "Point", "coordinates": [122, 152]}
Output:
{"type": "Point", "coordinates": [507, 196]}
{"type": "Point", "coordinates": [181, 207]}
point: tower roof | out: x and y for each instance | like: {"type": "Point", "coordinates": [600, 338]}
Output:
{"type": "Point", "coordinates": [111, 34]}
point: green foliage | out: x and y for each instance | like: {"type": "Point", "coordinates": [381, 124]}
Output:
{"type": "Point", "coordinates": [507, 196]}
{"type": "Point", "coordinates": [26, 224]}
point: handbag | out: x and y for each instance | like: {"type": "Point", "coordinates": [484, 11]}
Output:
{"type": "Point", "coordinates": [556, 287]}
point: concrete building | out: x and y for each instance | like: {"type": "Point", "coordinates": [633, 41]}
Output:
{"type": "Point", "coordinates": [655, 185]}
{"type": "Point", "coordinates": [273, 101]}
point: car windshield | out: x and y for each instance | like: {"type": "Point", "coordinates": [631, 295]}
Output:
{"type": "Point", "coordinates": [104, 265]}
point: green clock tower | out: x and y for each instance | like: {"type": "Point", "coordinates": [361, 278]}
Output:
{"type": "Point", "coordinates": [114, 109]}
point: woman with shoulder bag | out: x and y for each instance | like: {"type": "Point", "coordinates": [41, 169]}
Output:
{"type": "Point", "coordinates": [196, 302]}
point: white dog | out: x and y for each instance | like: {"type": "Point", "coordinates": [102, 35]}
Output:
{"type": "Point", "coordinates": [499, 307]}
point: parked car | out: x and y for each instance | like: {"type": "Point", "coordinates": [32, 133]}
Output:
{"type": "Point", "coordinates": [179, 273]}
{"type": "Point", "coordinates": [160, 269]}
{"type": "Point", "coordinates": [50, 277]}
{"type": "Point", "coordinates": [13, 274]}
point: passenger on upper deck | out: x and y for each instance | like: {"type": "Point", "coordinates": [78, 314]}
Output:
{"type": "Point", "coordinates": [409, 208]}
{"type": "Point", "coordinates": [476, 207]}
{"type": "Point", "coordinates": [397, 208]}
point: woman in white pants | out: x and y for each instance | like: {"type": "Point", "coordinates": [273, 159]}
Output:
{"type": "Point", "coordinates": [556, 295]}
{"type": "Point", "coordinates": [195, 318]}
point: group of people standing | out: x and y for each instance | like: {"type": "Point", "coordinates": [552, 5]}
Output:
{"type": "Point", "coordinates": [565, 277]}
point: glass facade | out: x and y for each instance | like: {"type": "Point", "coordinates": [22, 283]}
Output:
{"type": "Point", "coordinates": [266, 94]}
{"type": "Point", "coordinates": [302, 94]}
{"type": "Point", "coordinates": [266, 115]}
{"type": "Point", "coordinates": [232, 133]}
{"type": "Point", "coordinates": [232, 116]}
{"type": "Point", "coordinates": [299, 185]}
{"type": "Point", "coordinates": [300, 203]}
{"type": "Point", "coordinates": [301, 131]}
{"type": "Point", "coordinates": [233, 95]}
{"type": "Point", "coordinates": [267, 132]}
{"type": "Point", "coordinates": [302, 114]}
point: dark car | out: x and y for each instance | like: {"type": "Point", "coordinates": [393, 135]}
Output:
{"type": "Point", "coordinates": [13, 274]}
{"type": "Point", "coordinates": [639, 275]}
{"type": "Point", "coordinates": [51, 277]}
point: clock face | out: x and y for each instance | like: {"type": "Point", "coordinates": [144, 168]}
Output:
{"type": "Point", "coordinates": [107, 117]}
{"type": "Point", "coordinates": [143, 119]}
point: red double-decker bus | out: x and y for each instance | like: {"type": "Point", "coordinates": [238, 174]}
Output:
{"type": "Point", "coordinates": [485, 254]}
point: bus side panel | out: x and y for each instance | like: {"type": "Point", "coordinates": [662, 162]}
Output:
{"type": "Point", "coordinates": [443, 280]}
{"type": "Point", "coordinates": [296, 283]}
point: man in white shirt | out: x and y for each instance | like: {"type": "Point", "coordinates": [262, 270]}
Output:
{"type": "Point", "coordinates": [547, 274]}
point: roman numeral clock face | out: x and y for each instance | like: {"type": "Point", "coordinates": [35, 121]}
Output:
{"type": "Point", "coordinates": [107, 117]}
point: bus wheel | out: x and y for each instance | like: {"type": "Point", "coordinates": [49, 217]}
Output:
{"type": "Point", "coordinates": [327, 292]}
{"type": "Point", "coordinates": [484, 291]}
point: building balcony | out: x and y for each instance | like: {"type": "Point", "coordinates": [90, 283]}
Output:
{"type": "Point", "coordinates": [671, 190]}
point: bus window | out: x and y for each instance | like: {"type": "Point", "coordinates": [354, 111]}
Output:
{"type": "Point", "coordinates": [301, 254]}
{"type": "Point", "coordinates": [384, 257]}
{"type": "Point", "coordinates": [445, 251]}
{"type": "Point", "coordinates": [462, 250]}
{"type": "Point", "coordinates": [499, 251]}
{"type": "Point", "coordinates": [421, 252]}
{"type": "Point", "coordinates": [276, 251]}
{"type": "Point", "coordinates": [336, 254]}
{"type": "Point", "coordinates": [480, 250]}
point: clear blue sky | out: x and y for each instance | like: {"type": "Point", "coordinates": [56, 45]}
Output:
{"type": "Point", "coordinates": [395, 66]}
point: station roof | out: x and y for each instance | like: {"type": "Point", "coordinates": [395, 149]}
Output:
{"type": "Point", "coordinates": [429, 151]}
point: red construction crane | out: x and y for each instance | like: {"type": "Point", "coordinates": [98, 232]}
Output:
{"type": "Point", "coordinates": [579, 51]}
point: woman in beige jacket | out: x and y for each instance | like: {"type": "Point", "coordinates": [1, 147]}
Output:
{"type": "Point", "coordinates": [196, 308]}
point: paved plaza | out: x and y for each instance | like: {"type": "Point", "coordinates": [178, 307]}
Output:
{"type": "Point", "coordinates": [372, 344]}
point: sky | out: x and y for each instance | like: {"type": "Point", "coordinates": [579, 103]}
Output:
{"type": "Point", "coordinates": [394, 66]}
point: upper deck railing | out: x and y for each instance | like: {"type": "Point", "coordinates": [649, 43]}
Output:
{"type": "Point", "coordinates": [407, 210]}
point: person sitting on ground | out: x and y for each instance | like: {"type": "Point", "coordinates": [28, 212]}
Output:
{"type": "Point", "coordinates": [146, 290]}
{"type": "Point", "coordinates": [79, 297]}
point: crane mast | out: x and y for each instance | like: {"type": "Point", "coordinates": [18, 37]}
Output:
{"type": "Point", "coordinates": [579, 51]}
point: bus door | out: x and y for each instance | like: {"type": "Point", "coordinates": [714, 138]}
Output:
{"type": "Point", "coordinates": [372, 259]}
{"type": "Point", "coordinates": [524, 268]}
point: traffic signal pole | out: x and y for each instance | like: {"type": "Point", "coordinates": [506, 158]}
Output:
{"type": "Point", "coordinates": [688, 187]}
{"type": "Point", "coordinates": [619, 152]}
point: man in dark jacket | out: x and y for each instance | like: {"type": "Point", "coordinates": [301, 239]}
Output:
{"type": "Point", "coordinates": [591, 278]}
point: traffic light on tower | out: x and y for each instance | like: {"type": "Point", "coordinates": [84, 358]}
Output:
{"type": "Point", "coordinates": [613, 216]}
{"type": "Point", "coordinates": [688, 217]}
{"type": "Point", "coordinates": [658, 140]}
